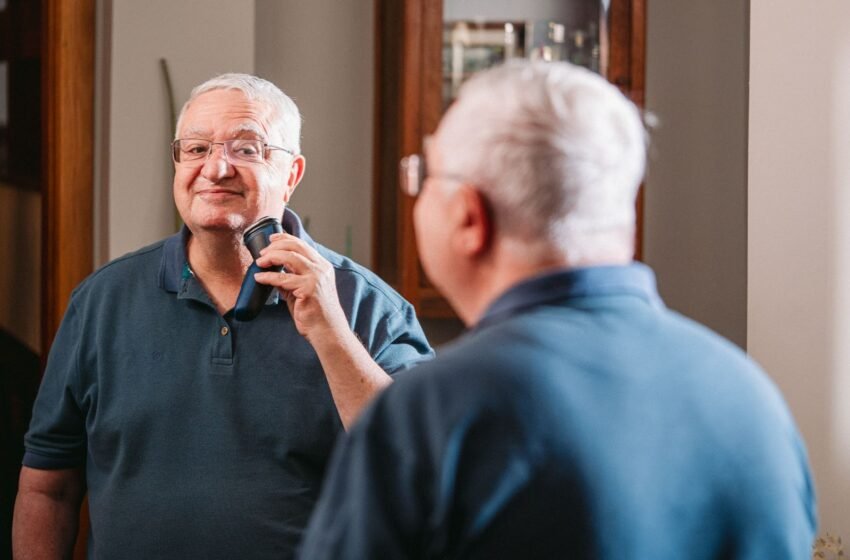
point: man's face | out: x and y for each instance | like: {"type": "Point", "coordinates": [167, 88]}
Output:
{"type": "Point", "coordinates": [431, 220]}
{"type": "Point", "coordinates": [215, 194]}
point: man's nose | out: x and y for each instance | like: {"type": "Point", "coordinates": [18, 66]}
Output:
{"type": "Point", "coordinates": [217, 166]}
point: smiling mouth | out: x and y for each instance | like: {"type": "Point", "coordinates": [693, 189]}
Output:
{"type": "Point", "coordinates": [218, 193]}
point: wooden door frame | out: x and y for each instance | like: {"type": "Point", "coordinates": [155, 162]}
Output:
{"type": "Point", "coordinates": [67, 85]}
{"type": "Point", "coordinates": [68, 169]}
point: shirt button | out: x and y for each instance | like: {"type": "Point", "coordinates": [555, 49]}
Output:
{"type": "Point", "coordinates": [224, 331]}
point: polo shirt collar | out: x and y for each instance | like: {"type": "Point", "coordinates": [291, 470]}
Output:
{"type": "Point", "coordinates": [174, 267]}
{"type": "Point", "coordinates": [635, 279]}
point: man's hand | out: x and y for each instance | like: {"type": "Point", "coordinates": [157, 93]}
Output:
{"type": "Point", "coordinates": [308, 286]}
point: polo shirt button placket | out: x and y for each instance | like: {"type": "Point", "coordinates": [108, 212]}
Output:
{"type": "Point", "coordinates": [222, 359]}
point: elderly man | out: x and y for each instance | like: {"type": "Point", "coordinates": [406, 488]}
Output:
{"type": "Point", "coordinates": [577, 418]}
{"type": "Point", "coordinates": [198, 435]}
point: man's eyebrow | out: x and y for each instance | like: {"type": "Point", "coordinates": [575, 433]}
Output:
{"type": "Point", "coordinates": [241, 131]}
{"type": "Point", "coordinates": [244, 130]}
{"type": "Point", "coordinates": [196, 133]}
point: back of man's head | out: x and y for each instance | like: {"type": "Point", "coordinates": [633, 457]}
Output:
{"type": "Point", "coordinates": [558, 151]}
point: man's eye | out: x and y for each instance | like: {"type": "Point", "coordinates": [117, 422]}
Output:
{"type": "Point", "coordinates": [196, 149]}
{"type": "Point", "coordinates": [246, 149]}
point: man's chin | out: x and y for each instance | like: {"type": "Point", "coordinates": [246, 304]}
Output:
{"type": "Point", "coordinates": [233, 224]}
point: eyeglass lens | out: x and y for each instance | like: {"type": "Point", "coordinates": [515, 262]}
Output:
{"type": "Point", "coordinates": [412, 170]}
{"type": "Point", "coordinates": [241, 149]}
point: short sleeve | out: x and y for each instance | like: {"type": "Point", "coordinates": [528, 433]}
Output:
{"type": "Point", "coordinates": [56, 438]}
{"type": "Point", "coordinates": [405, 344]}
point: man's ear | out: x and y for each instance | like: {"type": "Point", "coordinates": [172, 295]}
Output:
{"type": "Point", "coordinates": [474, 222]}
{"type": "Point", "coordinates": [296, 173]}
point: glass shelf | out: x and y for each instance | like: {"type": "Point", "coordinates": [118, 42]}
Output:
{"type": "Point", "coordinates": [478, 35]}
{"type": "Point", "coordinates": [470, 46]}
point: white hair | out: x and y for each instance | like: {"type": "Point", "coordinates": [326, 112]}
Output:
{"type": "Point", "coordinates": [284, 113]}
{"type": "Point", "coordinates": [557, 150]}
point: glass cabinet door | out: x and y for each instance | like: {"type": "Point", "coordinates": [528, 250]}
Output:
{"type": "Point", "coordinates": [478, 34]}
{"type": "Point", "coordinates": [425, 50]}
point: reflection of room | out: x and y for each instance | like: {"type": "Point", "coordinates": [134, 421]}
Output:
{"type": "Point", "coordinates": [746, 194]}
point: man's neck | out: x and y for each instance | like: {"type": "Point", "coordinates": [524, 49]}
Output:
{"type": "Point", "coordinates": [219, 262]}
{"type": "Point", "coordinates": [511, 263]}
{"type": "Point", "coordinates": [492, 282]}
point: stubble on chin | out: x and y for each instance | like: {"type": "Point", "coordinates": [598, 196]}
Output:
{"type": "Point", "coordinates": [218, 220]}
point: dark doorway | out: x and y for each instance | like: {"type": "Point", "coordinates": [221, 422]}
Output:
{"type": "Point", "coordinates": [46, 105]}
{"type": "Point", "coordinates": [20, 245]}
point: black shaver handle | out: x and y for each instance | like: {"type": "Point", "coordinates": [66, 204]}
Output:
{"type": "Point", "coordinates": [253, 295]}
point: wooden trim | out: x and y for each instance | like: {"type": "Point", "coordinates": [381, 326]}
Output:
{"type": "Point", "coordinates": [627, 70]}
{"type": "Point", "coordinates": [377, 210]}
{"type": "Point", "coordinates": [620, 45]}
{"type": "Point", "coordinates": [638, 51]}
{"type": "Point", "coordinates": [68, 166]}
{"type": "Point", "coordinates": [433, 305]}
{"type": "Point", "coordinates": [68, 131]}
{"type": "Point", "coordinates": [101, 142]}
{"type": "Point", "coordinates": [432, 67]}
{"type": "Point", "coordinates": [411, 141]}
{"type": "Point", "coordinates": [638, 95]}
{"type": "Point", "coordinates": [421, 107]}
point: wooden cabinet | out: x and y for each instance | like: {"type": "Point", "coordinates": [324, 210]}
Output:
{"type": "Point", "coordinates": [410, 81]}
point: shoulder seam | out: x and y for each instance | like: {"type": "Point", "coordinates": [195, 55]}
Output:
{"type": "Point", "coordinates": [397, 301]}
{"type": "Point", "coordinates": [143, 251]}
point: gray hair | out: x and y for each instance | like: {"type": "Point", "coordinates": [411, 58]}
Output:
{"type": "Point", "coordinates": [558, 151]}
{"type": "Point", "coordinates": [285, 116]}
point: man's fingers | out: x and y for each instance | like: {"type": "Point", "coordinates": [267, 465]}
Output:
{"type": "Point", "coordinates": [289, 242]}
{"type": "Point", "coordinates": [283, 280]}
{"type": "Point", "coordinates": [292, 261]}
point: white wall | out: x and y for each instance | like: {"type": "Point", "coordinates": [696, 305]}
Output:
{"type": "Point", "coordinates": [799, 227]}
{"type": "Point", "coordinates": [199, 39]}
{"type": "Point", "coordinates": [695, 216]}
{"type": "Point", "coordinates": [321, 53]}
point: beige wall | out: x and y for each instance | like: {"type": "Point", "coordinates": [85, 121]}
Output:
{"type": "Point", "coordinates": [799, 227]}
{"type": "Point", "coordinates": [695, 218]}
{"type": "Point", "coordinates": [748, 197]}
{"type": "Point", "coordinates": [321, 53]}
{"type": "Point", "coordinates": [20, 275]}
{"type": "Point", "coordinates": [199, 39]}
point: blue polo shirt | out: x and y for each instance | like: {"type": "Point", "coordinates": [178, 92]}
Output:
{"type": "Point", "coordinates": [578, 419]}
{"type": "Point", "coordinates": [201, 436]}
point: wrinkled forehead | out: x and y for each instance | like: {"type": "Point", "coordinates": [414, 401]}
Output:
{"type": "Point", "coordinates": [237, 130]}
{"type": "Point", "coordinates": [223, 114]}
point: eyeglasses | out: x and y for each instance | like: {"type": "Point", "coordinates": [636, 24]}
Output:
{"type": "Point", "coordinates": [413, 172]}
{"type": "Point", "coordinates": [236, 151]}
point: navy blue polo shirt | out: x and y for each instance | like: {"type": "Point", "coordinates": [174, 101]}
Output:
{"type": "Point", "coordinates": [201, 436]}
{"type": "Point", "coordinates": [579, 419]}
